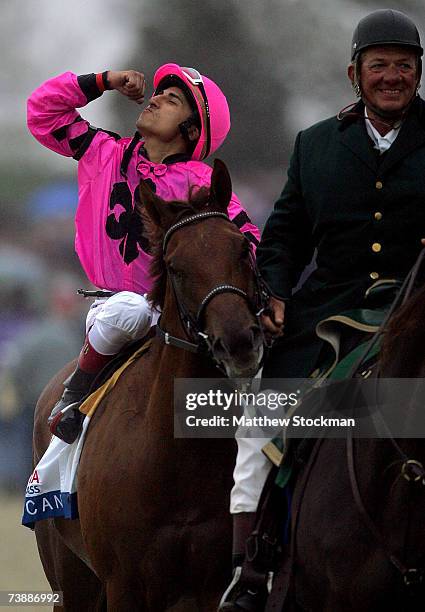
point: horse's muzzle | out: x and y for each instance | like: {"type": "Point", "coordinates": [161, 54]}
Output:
{"type": "Point", "coordinates": [240, 353]}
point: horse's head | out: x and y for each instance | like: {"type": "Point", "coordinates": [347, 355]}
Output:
{"type": "Point", "coordinates": [204, 272]}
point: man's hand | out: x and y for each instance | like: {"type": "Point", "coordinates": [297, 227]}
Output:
{"type": "Point", "coordinates": [129, 83]}
{"type": "Point", "coordinates": [274, 318]}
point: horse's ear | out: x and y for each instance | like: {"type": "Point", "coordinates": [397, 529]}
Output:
{"type": "Point", "coordinates": [221, 185]}
{"type": "Point", "coordinates": [151, 202]}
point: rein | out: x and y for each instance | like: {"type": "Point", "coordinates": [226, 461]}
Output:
{"type": "Point", "coordinates": [412, 470]}
{"type": "Point", "coordinates": [197, 340]}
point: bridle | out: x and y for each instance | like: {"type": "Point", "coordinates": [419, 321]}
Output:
{"type": "Point", "coordinates": [411, 470]}
{"type": "Point", "coordinates": [197, 341]}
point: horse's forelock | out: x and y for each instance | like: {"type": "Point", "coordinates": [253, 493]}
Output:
{"type": "Point", "coordinates": [199, 200]}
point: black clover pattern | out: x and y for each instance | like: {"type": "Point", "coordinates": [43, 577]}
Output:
{"type": "Point", "coordinates": [129, 226]}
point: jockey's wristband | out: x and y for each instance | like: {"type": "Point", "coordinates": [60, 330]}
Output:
{"type": "Point", "coordinates": [102, 81]}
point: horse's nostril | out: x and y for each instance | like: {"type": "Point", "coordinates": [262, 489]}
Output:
{"type": "Point", "coordinates": [238, 344]}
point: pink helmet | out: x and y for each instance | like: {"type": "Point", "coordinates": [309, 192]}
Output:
{"type": "Point", "coordinates": [211, 104]}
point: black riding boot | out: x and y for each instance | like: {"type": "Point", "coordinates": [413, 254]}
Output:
{"type": "Point", "coordinates": [239, 596]}
{"type": "Point", "coordinates": [65, 420]}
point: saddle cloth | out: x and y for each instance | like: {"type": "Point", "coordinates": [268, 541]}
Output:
{"type": "Point", "coordinates": [52, 487]}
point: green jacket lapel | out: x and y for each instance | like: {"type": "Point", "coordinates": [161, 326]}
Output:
{"type": "Point", "coordinates": [410, 137]}
{"type": "Point", "coordinates": [355, 137]}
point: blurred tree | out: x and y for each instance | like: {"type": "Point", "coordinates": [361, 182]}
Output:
{"type": "Point", "coordinates": [216, 38]}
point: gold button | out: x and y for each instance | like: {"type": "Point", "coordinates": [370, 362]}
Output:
{"type": "Point", "coordinates": [374, 275]}
{"type": "Point", "coordinates": [378, 185]}
{"type": "Point", "coordinates": [378, 216]}
{"type": "Point", "coordinates": [376, 247]}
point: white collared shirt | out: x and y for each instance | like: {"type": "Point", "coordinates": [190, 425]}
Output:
{"type": "Point", "coordinates": [382, 143]}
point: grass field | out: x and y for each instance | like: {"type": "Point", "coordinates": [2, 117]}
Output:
{"type": "Point", "coordinates": [20, 567]}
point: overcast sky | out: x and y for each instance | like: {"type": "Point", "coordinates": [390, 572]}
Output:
{"type": "Point", "coordinates": [41, 38]}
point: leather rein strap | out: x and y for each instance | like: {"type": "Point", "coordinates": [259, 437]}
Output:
{"type": "Point", "coordinates": [411, 576]}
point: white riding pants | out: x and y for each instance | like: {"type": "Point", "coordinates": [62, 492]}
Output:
{"type": "Point", "coordinates": [113, 322]}
{"type": "Point", "coordinates": [251, 469]}
{"type": "Point", "coordinates": [250, 474]}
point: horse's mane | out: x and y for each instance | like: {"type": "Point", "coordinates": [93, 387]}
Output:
{"type": "Point", "coordinates": [404, 338]}
{"type": "Point", "coordinates": [198, 201]}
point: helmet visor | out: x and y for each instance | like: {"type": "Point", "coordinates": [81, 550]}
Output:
{"type": "Point", "coordinates": [195, 78]}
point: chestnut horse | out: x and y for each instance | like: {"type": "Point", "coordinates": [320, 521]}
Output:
{"type": "Point", "coordinates": [358, 528]}
{"type": "Point", "coordinates": [154, 531]}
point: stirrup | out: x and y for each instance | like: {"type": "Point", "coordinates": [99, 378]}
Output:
{"type": "Point", "coordinates": [66, 424]}
{"type": "Point", "coordinates": [236, 577]}
{"type": "Point", "coordinates": [239, 597]}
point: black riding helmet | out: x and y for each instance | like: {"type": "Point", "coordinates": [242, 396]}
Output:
{"type": "Point", "coordinates": [380, 28]}
{"type": "Point", "coordinates": [385, 27]}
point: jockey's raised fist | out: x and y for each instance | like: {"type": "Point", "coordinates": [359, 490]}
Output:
{"type": "Point", "coordinates": [129, 83]}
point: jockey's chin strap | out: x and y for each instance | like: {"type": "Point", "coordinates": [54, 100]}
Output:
{"type": "Point", "coordinates": [197, 340]}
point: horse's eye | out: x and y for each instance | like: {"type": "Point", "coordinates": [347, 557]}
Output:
{"type": "Point", "coordinates": [175, 272]}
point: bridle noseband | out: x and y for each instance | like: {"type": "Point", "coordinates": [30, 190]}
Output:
{"type": "Point", "coordinates": [197, 340]}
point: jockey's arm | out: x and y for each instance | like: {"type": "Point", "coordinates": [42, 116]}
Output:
{"type": "Point", "coordinates": [239, 216]}
{"type": "Point", "coordinates": [273, 319]}
{"type": "Point", "coordinates": [52, 116]}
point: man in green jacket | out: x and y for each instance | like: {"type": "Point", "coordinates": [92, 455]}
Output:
{"type": "Point", "coordinates": [355, 196]}
{"type": "Point", "coordinates": [355, 193]}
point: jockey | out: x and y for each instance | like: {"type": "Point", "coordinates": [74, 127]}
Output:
{"type": "Point", "coordinates": [355, 194]}
{"type": "Point", "coordinates": [186, 120]}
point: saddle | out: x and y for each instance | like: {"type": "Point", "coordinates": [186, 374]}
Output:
{"type": "Point", "coordinates": [347, 335]}
{"type": "Point", "coordinates": [355, 339]}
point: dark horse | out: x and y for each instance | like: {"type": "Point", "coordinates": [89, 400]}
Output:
{"type": "Point", "coordinates": [358, 528]}
{"type": "Point", "coordinates": [154, 531]}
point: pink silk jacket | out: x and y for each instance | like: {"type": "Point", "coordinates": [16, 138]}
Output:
{"type": "Point", "coordinates": [109, 234]}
